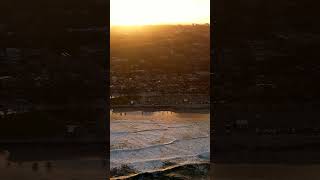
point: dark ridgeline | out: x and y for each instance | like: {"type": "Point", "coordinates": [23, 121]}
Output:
{"type": "Point", "coordinates": [53, 72]}
{"type": "Point", "coordinates": [264, 88]}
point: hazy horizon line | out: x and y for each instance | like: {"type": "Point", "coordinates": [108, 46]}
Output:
{"type": "Point", "coordinates": [156, 24]}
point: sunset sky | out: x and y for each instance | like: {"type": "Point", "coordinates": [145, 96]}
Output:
{"type": "Point", "coordinates": [150, 12]}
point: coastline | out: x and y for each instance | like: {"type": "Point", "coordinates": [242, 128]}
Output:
{"type": "Point", "coordinates": [159, 142]}
{"type": "Point", "coordinates": [205, 108]}
{"type": "Point", "coordinates": [184, 171]}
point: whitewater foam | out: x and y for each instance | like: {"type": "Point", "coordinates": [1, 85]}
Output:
{"type": "Point", "coordinates": [151, 142]}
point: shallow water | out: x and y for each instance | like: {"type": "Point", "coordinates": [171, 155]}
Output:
{"type": "Point", "coordinates": [148, 141]}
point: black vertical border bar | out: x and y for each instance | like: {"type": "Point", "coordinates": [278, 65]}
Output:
{"type": "Point", "coordinates": [107, 107]}
{"type": "Point", "coordinates": [212, 60]}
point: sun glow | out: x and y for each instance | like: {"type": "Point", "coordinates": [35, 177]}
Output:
{"type": "Point", "coordinates": [151, 12]}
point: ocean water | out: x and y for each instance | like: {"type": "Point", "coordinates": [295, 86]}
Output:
{"type": "Point", "coordinates": [151, 141]}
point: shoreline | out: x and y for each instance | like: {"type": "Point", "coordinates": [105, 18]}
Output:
{"type": "Point", "coordinates": [151, 108]}
{"type": "Point", "coordinates": [192, 170]}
